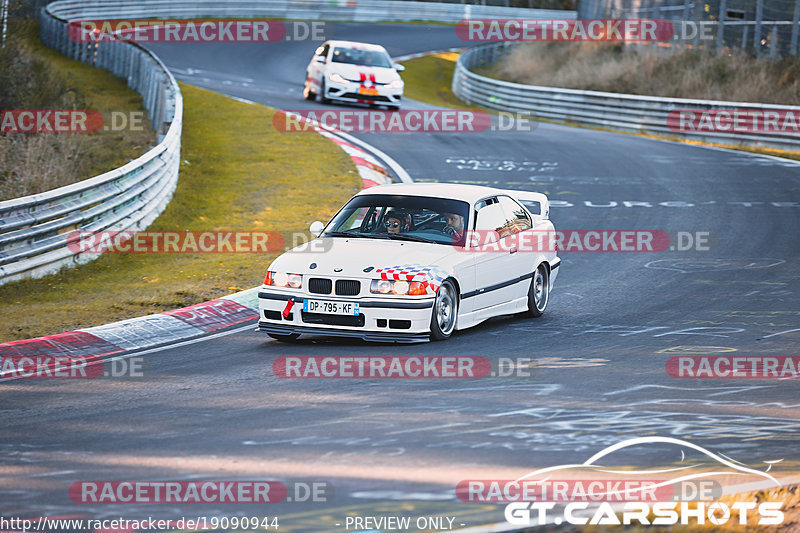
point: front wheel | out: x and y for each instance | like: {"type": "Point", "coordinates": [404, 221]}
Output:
{"type": "Point", "coordinates": [539, 293]}
{"type": "Point", "coordinates": [322, 97]}
{"type": "Point", "coordinates": [308, 94]}
{"type": "Point", "coordinates": [445, 312]}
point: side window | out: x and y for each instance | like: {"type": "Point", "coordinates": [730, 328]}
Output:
{"type": "Point", "coordinates": [518, 218]}
{"type": "Point", "coordinates": [490, 217]}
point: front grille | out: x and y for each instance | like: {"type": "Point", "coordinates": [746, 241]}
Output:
{"type": "Point", "coordinates": [348, 287]}
{"type": "Point", "coordinates": [319, 285]}
{"type": "Point", "coordinates": [333, 320]}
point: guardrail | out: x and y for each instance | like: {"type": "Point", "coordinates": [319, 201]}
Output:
{"type": "Point", "coordinates": [350, 10]}
{"type": "Point", "coordinates": [34, 230]}
{"type": "Point", "coordinates": [632, 113]}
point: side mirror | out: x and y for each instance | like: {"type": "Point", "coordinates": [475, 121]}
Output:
{"type": "Point", "coordinates": [316, 228]}
{"type": "Point", "coordinates": [399, 68]}
{"type": "Point", "coordinates": [319, 59]}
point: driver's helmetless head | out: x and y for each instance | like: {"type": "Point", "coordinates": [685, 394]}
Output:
{"type": "Point", "coordinates": [393, 225]}
{"type": "Point", "coordinates": [454, 221]}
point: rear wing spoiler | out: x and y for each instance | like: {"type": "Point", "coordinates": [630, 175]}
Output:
{"type": "Point", "coordinates": [535, 202]}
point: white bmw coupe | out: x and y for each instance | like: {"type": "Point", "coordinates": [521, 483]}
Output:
{"type": "Point", "coordinates": [354, 72]}
{"type": "Point", "coordinates": [413, 262]}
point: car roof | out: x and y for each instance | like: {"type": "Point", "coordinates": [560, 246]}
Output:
{"type": "Point", "coordinates": [456, 191]}
{"type": "Point", "coordinates": [356, 44]}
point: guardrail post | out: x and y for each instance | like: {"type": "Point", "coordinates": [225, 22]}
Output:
{"type": "Point", "coordinates": [773, 42]}
{"type": "Point", "coordinates": [795, 28]}
{"type": "Point", "coordinates": [757, 29]}
{"type": "Point", "coordinates": [744, 37]}
{"type": "Point", "coordinates": [723, 11]}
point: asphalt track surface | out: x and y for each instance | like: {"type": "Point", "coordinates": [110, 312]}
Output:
{"type": "Point", "coordinates": [215, 410]}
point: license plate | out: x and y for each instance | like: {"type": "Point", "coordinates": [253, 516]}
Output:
{"type": "Point", "coordinates": [330, 308]}
{"type": "Point", "coordinates": [368, 90]}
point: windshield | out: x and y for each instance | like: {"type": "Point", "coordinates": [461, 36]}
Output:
{"type": "Point", "coordinates": [368, 58]}
{"type": "Point", "coordinates": [409, 218]}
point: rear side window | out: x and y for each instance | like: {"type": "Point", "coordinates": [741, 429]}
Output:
{"type": "Point", "coordinates": [518, 218]}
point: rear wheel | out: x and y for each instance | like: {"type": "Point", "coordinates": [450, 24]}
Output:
{"type": "Point", "coordinates": [539, 293]}
{"type": "Point", "coordinates": [445, 312]}
{"type": "Point", "coordinates": [290, 337]}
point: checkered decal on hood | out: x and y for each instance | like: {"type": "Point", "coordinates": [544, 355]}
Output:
{"type": "Point", "coordinates": [430, 276]}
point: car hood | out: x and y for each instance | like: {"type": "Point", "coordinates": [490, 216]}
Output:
{"type": "Point", "coordinates": [354, 72]}
{"type": "Point", "coordinates": [344, 257]}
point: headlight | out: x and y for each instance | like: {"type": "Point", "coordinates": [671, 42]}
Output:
{"type": "Point", "coordinates": [387, 286]}
{"type": "Point", "coordinates": [335, 76]}
{"type": "Point", "coordinates": [396, 84]}
{"type": "Point", "coordinates": [282, 279]}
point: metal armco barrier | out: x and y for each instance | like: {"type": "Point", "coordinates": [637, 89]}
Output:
{"type": "Point", "coordinates": [34, 229]}
{"type": "Point", "coordinates": [632, 113]}
{"type": "Point", "coordinates": [350, 10]}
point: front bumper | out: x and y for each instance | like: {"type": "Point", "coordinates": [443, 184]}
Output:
{"type": "Point", "coordinates": [381, 319]}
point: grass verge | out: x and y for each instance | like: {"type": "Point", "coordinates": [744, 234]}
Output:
{"type": "Point", "coordinates": [428, 79]}
{"type": "Point", "coordinates": [239, 173]}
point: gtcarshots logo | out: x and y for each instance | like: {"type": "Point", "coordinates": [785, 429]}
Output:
{"type": "Point", "coordinates": [565, 30]}
{"type": "Point", "coordinates": [404, 121]}
{"type": "Point", "coordinates": [685, 498]}
{"type": "Point", "coordinates": [196, 31]}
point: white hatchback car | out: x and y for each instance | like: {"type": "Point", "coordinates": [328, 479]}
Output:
{"type": "Point", "coordinates": [413, 262]}
{"type": "Point", "coordinates": [354, 72]}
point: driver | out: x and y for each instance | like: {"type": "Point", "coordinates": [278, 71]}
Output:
{"type": "Point", "coordinates": [395, 222]}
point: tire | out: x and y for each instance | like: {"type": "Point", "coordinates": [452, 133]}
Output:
{"type": "Point", "coordinates": [322, 97]}
{"type": "Point", "coordinates": [539, 292]}
{"type": "Point", "coordinates": [290, 337]}
{"type": "Point", "coordinates": [308, 94]}
{"type": "Point", "coordinates": [445, 312]}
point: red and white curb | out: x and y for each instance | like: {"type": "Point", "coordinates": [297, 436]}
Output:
{"type": "Point", "coordinates": [100, 342]}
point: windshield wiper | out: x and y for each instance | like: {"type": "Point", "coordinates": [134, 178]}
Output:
{"type": "Point", "coordinates": [415, 238]}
